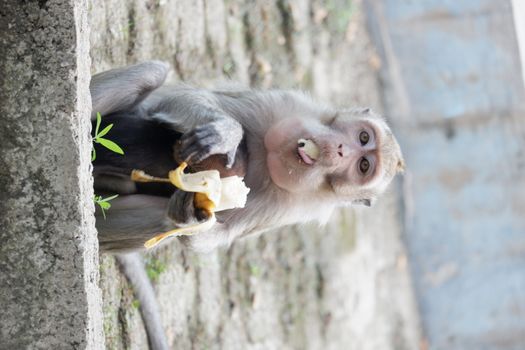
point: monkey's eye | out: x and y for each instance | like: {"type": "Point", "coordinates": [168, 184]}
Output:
{"type": "Point", "coordinates": [364, 138]}
{"type": "Point", "coordinates": [364, 165]}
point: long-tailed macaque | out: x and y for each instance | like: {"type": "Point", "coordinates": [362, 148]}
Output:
{"type": "Point", "coordinates": [300, 159]}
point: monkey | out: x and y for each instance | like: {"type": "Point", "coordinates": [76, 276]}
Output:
{"type": "Point", "coordinates": [255, 134]}
{"type": "Point", "coordinates": [301, 159]}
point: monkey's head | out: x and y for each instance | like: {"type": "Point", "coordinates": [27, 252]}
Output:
{"type": "Point", "coordinates": [350, 155]}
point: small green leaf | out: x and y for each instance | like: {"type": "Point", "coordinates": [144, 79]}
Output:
{"type": "Point", "coordinates": [97, 201]}
{"type": "Point", "coordinates": [107, 199]}
{"type": "Point", "coordinates": [93, 154]}
{"type": "Point", "coordinates": [103, 203]}
{"type": "Point", "coordinates": [255, 270]}
{"type": "Point", "coordinates": [105, 130]}
{"type": "Point", "coordinates": [99, 119]}
{"type": "Point", "coordinates": [110, 145]}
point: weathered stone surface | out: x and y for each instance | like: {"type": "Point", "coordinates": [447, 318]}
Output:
{"type": "Point", "coordinates": [344, 286]}
{"type": "Point", "coordinates": [48, 250]}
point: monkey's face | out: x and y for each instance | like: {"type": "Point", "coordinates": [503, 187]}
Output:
{"type": "Point", "coordinates": [344, 156]}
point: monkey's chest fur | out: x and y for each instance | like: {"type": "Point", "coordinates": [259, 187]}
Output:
{"type": "Point", "coordinates": [153, 147]}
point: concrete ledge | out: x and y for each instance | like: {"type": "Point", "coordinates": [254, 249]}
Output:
{"type": "Point", "coordinates": [48, 250]}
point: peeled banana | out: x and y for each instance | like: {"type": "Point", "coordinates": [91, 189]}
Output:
{"type": "Point", "coordinates": [212, 194]}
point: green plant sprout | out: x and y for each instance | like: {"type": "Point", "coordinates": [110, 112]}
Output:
{"type": "Point", "coordinates": [103, 203]}
{"type": "Point", "coordinates": [154, 268]}
{"type": "Point", "coordinates": [112, 146]}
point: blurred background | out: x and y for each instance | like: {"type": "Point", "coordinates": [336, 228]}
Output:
{"type": "Point", "coordinates": [438, 263]}
{"type": "Point", "coordinates": [453, 87]}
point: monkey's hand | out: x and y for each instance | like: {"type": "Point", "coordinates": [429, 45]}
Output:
{"type": "Point", "coordinates": [182, 211]}
{"type": "Point", "coordinates": [221, 136]}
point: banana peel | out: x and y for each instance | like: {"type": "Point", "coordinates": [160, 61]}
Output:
{"type": "Point", "coordinates": [212, 194]}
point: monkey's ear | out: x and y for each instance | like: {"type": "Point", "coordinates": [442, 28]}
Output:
{"type": "Point", "coordinates": [365, 201]}
{"type": "Point", "coordinates": [401, 166]}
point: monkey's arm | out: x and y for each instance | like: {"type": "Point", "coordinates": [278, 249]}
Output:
{"type": "Point", "coordinates": [123, 88]}
{"type": "Point", "coordinates": [206, 128]}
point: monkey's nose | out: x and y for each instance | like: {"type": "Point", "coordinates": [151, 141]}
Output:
{"type": "Point", "coordinates": [343, 150]}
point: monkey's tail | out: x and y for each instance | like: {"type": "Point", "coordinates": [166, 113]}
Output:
{"type": "Point", "coordinates": [133, 268]}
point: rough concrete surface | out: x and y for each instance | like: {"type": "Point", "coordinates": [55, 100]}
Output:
{"type": "Point", "coordinates": [48, 251]}
{"type": "Point", "coordinates": [343, 286]}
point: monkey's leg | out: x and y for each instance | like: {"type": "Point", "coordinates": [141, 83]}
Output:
{"type": "Point", "coordinates": [133, 268]}
{"type": "Point", "coordinates": [131, 221]}
{"type": "Point", "coordinates": [123, 88]}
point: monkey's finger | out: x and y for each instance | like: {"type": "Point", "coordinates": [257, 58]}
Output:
{"type": "Point", "coordinates": [194, 142]}
{"type": "Point", "coordinates": [196, 153]}
{"type": "Point", "coordinates": [204, 147]}
{"type": "Point", "coordinates": [196, 147]}
{"type": "Point", "coordinates": [198, 140]}
{"type": "Point", "coordinates": [230, 158]}
{"type": "Point", "coordinates": [197, 134]}
{"type": "Point", "coordinates": [202, 139]}
{"type": "Point", "coordinates": [188, 159]}
{"type": "Point", "coordinates": [199, 157]}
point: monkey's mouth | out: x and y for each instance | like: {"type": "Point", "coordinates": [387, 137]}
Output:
{"type": "Point", "coordinates": [307, 151]}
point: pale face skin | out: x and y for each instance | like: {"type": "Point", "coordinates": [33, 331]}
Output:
{"type": "Point", "coordinates": [348, 154]}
